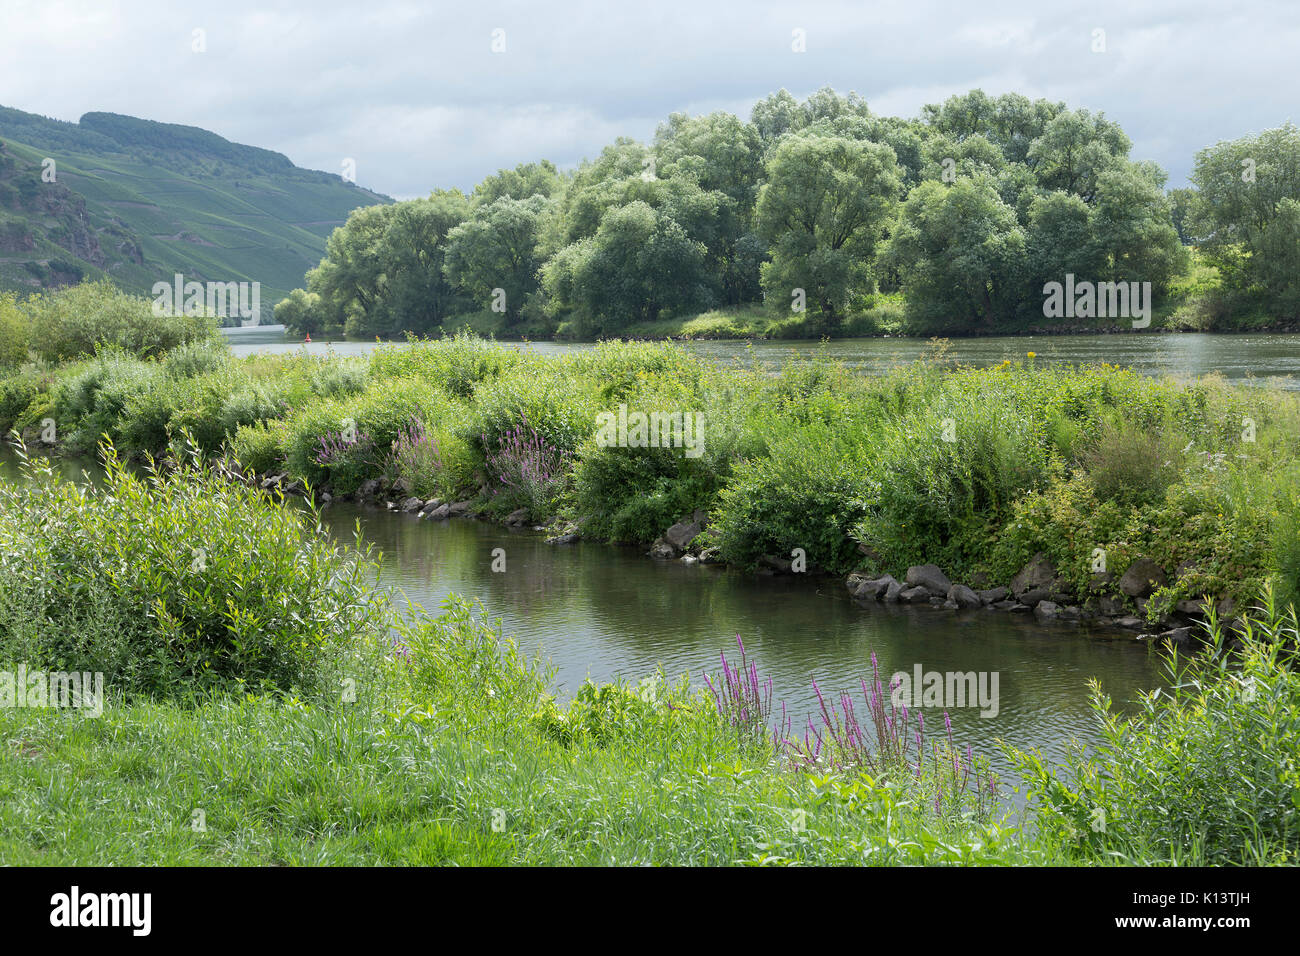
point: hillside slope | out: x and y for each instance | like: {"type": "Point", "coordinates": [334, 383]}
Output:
{"type": "Point", "coordinates": [139, 201]}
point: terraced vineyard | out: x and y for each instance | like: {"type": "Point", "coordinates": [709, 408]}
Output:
{"type": "Point", "coordinates": [138, 201]}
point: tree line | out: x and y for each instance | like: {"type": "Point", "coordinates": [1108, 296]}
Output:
{"type": "Point", "coordinates": [816, 207]}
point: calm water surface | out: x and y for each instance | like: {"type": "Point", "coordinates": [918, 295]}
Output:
{"type": "Point", "coordinates": [1263, 357]}
{"type": "Point", "coordinates": [601, 611]}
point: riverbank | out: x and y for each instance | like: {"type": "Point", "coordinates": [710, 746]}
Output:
{"type": "Point", "coordinates": [323, 742]}
{"type": "Point", "coordinates": [983, 473]}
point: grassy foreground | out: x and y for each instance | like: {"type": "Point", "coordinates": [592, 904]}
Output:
{"type": "Point", "coordinates": [328, 743]}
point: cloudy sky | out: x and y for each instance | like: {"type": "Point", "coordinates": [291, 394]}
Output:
{"type": "Point", "coordinates": [415, 93]}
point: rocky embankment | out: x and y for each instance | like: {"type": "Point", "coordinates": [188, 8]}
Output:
{"type": "Point", "coordinates": [1119, 602]}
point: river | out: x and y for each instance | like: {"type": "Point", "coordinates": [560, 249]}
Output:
{"type": "Point", "coordinates": [601, 611]}
{"type": "Point", "coordinates": [1265, 357]}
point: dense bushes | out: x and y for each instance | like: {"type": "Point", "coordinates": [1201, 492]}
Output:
{"type": "Point", "coordinates": [799, 218]}
{"type": "Point", "coordinates": [15, 334]}
{"type": "Point", "coordinates": [971, 469]}
{"type": "Point", "coordinates": [178, 582]}
{"type": "Point", "coordinates": [171, 581]}
{"type": "Point", "coordinates": [75, 321]}
{"type": "Point", "coordinates": [1210, 775]}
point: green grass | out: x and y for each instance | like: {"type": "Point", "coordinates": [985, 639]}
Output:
{"type": "Point", "coordinates": [307, 784]}
{"type": "Point", "coordinates": [448, 748]}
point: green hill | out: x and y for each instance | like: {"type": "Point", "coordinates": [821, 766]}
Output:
{"type": "Point", "coordinates": [139, 201]}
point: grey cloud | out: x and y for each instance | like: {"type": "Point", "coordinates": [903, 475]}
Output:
{"type": "Point", "coordinates": [413, 92]}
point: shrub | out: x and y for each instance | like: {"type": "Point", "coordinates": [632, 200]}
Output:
{"type": "Point", "coordinates": [1207, 772]}
{"type": "Point", "coordinates": [338, 378]}
{"type": "Point", "coordinates": [433, 462]}
{"type": "Point", "coordinates": [173, 581]}
{"type": "Point", "coordinates": [456, 364]}
{"type": "Point", "coordinates": [197, 358]}
{"type": "Point", "coordinates": [1132, 466]}
{"type": "Point", "coordinates": [259, 448]}
{"type": "Point", "coordinates": [16, 395]}
{"type": "Point", "coordinates": [91, 401]}
{"type": "Point", "coordinates": [349, 457]}
{"type": "Point", "coordinates": [945, 475]}
{"type": "Point", "coordinates": [556, 403]}
{"type": "Point", "coordinates": [14, 333]}
{"type": "Point", "coordinates": [808, 493]}
{"type": "Point", "coordinates": [526, 471]}
{"type": "Point", "coordinates": [74, 322]}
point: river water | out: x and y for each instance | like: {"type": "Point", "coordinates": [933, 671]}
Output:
{"type": "Point", "coordinates": [603, 612]}
{"type": "Point", "coordinates": [1265, 357]}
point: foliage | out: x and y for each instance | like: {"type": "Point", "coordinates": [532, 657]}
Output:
{"type": "Point", "coordinates": [1206, 772]}
{"type": "Point", "coordinates": [76, 321]}
{"type": "Point", "coordinates": [171, 581]}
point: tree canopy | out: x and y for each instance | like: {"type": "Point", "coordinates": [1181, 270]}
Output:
{"type": "Point", "coordinates": [968, 210]}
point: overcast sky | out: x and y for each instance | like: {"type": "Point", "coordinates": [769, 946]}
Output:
{"type": "Point", "coordinates": [415, 94]}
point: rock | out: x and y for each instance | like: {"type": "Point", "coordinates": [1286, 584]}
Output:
{"type": "Point", "coordinates": [1131, 622]}
{"type": "Point", "coordinates": [518, 516]}
{"type": "Point", "coordinates": [1192, 608]}
{"type": "Point", "coordinates": [875, 588]}
{"type": "Point", "coordinates": [411, 505]}
{"type": "Point", "coordinates": [774, 563]}
{"type": "Point", "coordinates": [460, 508]}
{"type": "Point", "coordinates": [662, 549]}
{"type": "Point", "coordinates": [710, 556]}
{"type": "Point", "coordinates": [855, 579]}
{"type": "Point", "coordinates": [272, 482]}
{"type": "Point", "coordinates": [433, 504]}
{"type": "Point", "coordinates": [401, 486]}
{"type": "Point", "coordinates": [1038, 573]}
{"type": "Point", "coordinates": [993, 595]}
{"type": "Point", "coordinates": [1225, 607]}
{"type": "Point", "coordinates": [1142, 577]}
{"type": "Point", "coordinates": [1063, 592]}
{"type": "Point", "coordinates": [440, 513]}
{"type": "Point", "coordinates": [682, 533]}
{"type": "Point", "coordinates": [369, 489]}
{"type": "Point", "coordinates": [1047, 610]}
{"type": "Point", "coordinates": [892, 591]}
{"type": "Point", "coordinates": [1110, 606]}
{"type": "Point", "coordinates": [1178, 636]}
{"type": "Point", "coordinates": [868, 551]}
{"type": "Point", "coordinates": [690, 559]}
{"type": "Point", "coordinates": [1018, 608]}
{"type": "Point", "coordinates": [1034, 596]}
{"type": "Point", "coordinates": [963, 597]}
{"type": "Point", "coordinates": [569, 538]}
{"type": "Point", "coordinates": [1069, 612]}
{"type": "Point", "coordinates": [1005, 605]}
{"type": "Point", "coordinates": [296, 487]}
{"type": "Point", "coordinates": [928, 576]}
{"type": "Point", "coordinates": [914, 595]}
{"type": "Point", "coordinates": [324, 497]}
